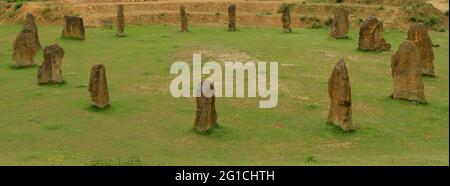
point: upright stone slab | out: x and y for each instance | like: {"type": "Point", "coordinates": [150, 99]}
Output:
{"type": "Point", "coordinates": [418, 34]}
{"type": "Point", "coordinates": [183, 19]}
{"type": "Point", "coordinates": [24, 47]}
{"type": "Point", "coordinates": [120, 21]}
{"type": "Point", "coordinates": [205, 115]}
{"type": "Point", "coordinates": [371, 35]}
{"type": "Point", "coordinates": [50, 69]}
{"type": "Point", "coordinates": [406, 73]}
{"type": "Point", "coordinates": [286, 19]}
{"type": "Point", "coordinates": [232, 18]}
{"type": "Point", "coordinates": [29, 21]}
{"type": "Point", "coordinates": [340, 24]}
{"type": "Point", "coordinates": [339, 91]}
{"type": "Point", "coordinates": [73, 28]}
{"type": "Point", "coordinates": [98, 87]}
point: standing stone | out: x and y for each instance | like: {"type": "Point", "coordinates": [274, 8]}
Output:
{"type": "Point", "coordinates": [24, 47]}
{"type": "Point", "coordinates": [371, 35]}
{"type": "Point", "coordinates": [120, 21]}
{"type": "Point", "coordinates": [340, 98]}
{"type": "Point", "coordinates": [50, 70]}
{"type": "Point", "coordinates": [205, 115]}
{"type": "Point", "coordinates": [98, 87]}
{"type": "Point", "coordinates": [406, 73]}
{"type": "Point", "coordinates": [340, 24]}
{"type": "Point", "coordinates": [183, 19]}
{"type": "Point", "coordinates": [29, 21]}
{"type": "Point", "coordinates": [232, 18]}
{"type": "Point", "coordinates": [418, 34]}
{"type": "Point", "coordinates": [73, 28]}
{"type": "Point", "coordinates": [286, 19]}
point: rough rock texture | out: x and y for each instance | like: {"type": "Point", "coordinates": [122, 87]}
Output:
{"type": "Point", "coordinates": [340, 24]}
{"type": "Point", "coordinates": [50, 70]}
{"type": "Point", "coordinates": [418, 34]}
{"type": "Point", "coordinates": [406, 73]}
{"type": "Point", "coordinates": [205, 115]}
{"type": "Point", "coordinates": [24, 47]}
{"type": "Point", "coordinates": [232, 18]}
{"type": "Point", "coordinates": [73, 28]}
{"type": "Point", "coordinates": [120, 21]}
{"type": "Point", "coordinates": [98, 87]}
{"type": "Point", "coordinates": [29, 21]}
{"type": "Point", "coordinates": [339, 90]}
{"type": "Point", "coordinates": [371, 35]}
{"type": "Point", "coordinates": [183, 19]}
{"type": "Point", "coordinates": [286, 19]}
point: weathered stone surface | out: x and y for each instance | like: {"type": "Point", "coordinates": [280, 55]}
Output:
{"type": "Point", "coordinates": [73, 28]}
{"type": "Point", "coordinates": [232, 18]}
{"type": "Point", "coordinates": [418, 34]}
{"type": "Point", "coordinates": [24, 47]}
{"type": "Point", "coordinates": [98, 86]}
{"type": "Point", "coordinates": [286, 19]}
{"type": "Point", "coordinates": [50, 69]}
{"type": "Point", "coordinates": [339, 91]}
{"type": "Point", "coordinates": [29, 21]}
{"type": "Point", "coordinates": [371, 35]}
{"type": "Point", "coordinates": [205, 115]}
{"type": "Point", "coordinates": [340, 24]}
{"type": "Point", "coordinates": [120, 21]}
{"type": "Point", "coordinates": [183, 19]}
{"type": "Point", "coordinates": [406, 73]}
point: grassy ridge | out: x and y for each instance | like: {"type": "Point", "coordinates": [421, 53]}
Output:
{"type": "Point", "coordinates": [54, 125]}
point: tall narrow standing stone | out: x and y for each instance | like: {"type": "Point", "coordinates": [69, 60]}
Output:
{"type": "Point", "coordinates": [29, 21]}
{"type": "Point", "coordinates": [50, 70]}
{"type": "Point", "coordinates": [24, 47]}
{"type": "Point", "coordinates": [286, 19]}
{"type": "Point", "coordinates": [120, 21]}
{"type": "Point", "coordinates": [406, 73]}
{"type": "Point", "coordinates": [340, 24]}
{"type": "Point", "coordinates": [232, 18]}
{"type": "Point", "coordinates": [73, 28]}
{"type": "Point", "coordinates": [183, 19]}
{"type": "Point", "coordinates": [205, 115]}
{"type": "Point", "coordinates": [418, 34]}
{"type": "Point", "coordinates": [340, 98]}
{"type": "Point", "coordinates": [371, 35]}
{"type": "Point", "coordinates": [98, 87]}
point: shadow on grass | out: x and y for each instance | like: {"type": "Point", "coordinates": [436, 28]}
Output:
{"type": "Point", "coordinates": [334, 129]}
{"type": "Point", "coordinates": [16, 67]}
{"type": "Point", "coordinates": [216, 131]}
{"type": "Point", "coordinates": [52, 84]}
{"type": "Point", "coordinates": [92, 108]}
{"type": "Point", "coordinates": [406, 101]}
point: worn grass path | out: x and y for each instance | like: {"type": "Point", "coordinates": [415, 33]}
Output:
{"type": "Point", "coordinates": [54, 125]}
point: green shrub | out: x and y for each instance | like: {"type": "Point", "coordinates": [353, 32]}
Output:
{"type": "Point", "coordinates": [329, 22]}
{"type": "Point", "coordinates": [431, 21]}
{"type": "Point", "coordinates": [316, 25]}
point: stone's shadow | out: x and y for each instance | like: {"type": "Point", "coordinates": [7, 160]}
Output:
{"type": "Point", "coordinates": [401, 100]}
{"type": "Point", "coordinates": [338, 130]}
{"type": "Point", "coordinates": [214, 131]}
{"type": "Point", "coordinates": [16, 67]}
{"type": "Point", "coordinates": [93, 108]}
{"type": "Point", "coordinates": [53, 84]}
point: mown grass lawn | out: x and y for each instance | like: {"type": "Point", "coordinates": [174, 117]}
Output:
{"type": "Point", "coordinates": [145, 125]}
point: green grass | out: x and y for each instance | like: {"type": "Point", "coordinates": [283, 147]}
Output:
{"type": "Point", "coordinates": [145, 125]}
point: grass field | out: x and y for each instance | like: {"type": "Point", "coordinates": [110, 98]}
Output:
{"type": "Point", "coordinates": [145, 125]}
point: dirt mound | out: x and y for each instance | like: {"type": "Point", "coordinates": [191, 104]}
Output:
{"type": "Point", "coordinates": [304, 13]}
{"type": "Point", "coordinates": [216, 54]}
